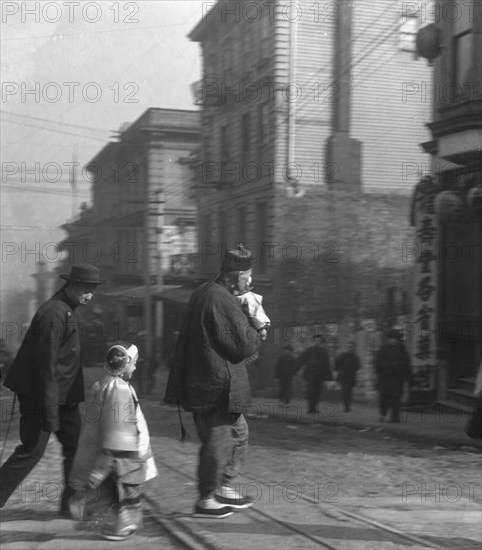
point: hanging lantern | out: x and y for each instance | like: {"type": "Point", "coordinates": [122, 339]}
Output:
{"type": "Point", "coordinates": [449, 206]}
{"type": "Point", "coordinates": [429, 42]}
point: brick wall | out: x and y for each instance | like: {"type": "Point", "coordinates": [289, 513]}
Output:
{"type": "Point", "coordinates": [336, 255]}
{"type": "Point", "coordinates": [342, 258]}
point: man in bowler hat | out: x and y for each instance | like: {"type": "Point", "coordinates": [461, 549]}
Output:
{"type": "Point", "coordinates": [317, 371]}
{"type": "Point", "coordinates": [392, 365]}
{"type": "Point", "coordinates": [46, 376]}
{"type": "Point", "coordinates": [209, 378]}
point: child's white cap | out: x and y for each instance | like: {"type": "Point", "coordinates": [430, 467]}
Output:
{"type": "Point", "coordinates": [119, 356]}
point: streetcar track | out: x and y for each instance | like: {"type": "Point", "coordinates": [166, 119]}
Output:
{"type": "Point", "coordinates": [249, 511]}
{"type": "Point", "coordinates": [326, 509]}
{"type": "Point", "coordinates": [178, 530]}
{"type": "Point", "coordinates": [365, 520]}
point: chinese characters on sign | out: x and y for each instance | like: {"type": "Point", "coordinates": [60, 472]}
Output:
{"type": "Point", "coordinates": [425, 291]}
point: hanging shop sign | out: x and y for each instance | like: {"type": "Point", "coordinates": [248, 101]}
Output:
{"type": "Point", "coordinates": [425, 288]}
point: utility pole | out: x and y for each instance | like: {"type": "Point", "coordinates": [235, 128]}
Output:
{"type": "Point", "coordinates": [160, 277]}
{"type": "Point", "coordinates": [73, 181]}
{"type": "Point", "coordinates": [147, 291]}
{"type": "Point", "coordinates": [152, 236]}
{"type": "Point", "coordinates": [152, 252]}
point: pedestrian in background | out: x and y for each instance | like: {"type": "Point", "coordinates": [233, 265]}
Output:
{"type": "Point", "coordinates": [346, 365]}
{"type": "Point", "coordinates": [209, 378]}
{"type": "Point", "coordinates": [392, 366]}
{"type": "Point", "coordinates": [285, 369]}
{"type": "Point", "coordinates": [317, 371]}
{"type": "Point", "coordinates": [46, 376]}
{"type": "Point", "coordinates": [115, 444]}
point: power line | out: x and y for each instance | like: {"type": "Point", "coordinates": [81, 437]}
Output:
{"type": "Point", "coordinates": [357, 61]}
{"type": "Point", "coordinates": [60, 192]}
{"type": "Point", "coordinates": [57, 131]}
{"type": "Point", "coordinates": [50, 121]}
{"type": "Point", "coordinates": [30, 227]}
{"type": "Point", "coordinates": [348, 44]}
{"type": "Point", "coordinates": [24, 141]}
{"type": "Point", "coordinates": [80, 33]}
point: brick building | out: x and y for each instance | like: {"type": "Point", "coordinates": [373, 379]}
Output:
{"type": "Point", "coordinates": [309, 153]}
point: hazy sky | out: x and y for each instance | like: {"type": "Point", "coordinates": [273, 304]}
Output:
{"type": "Point", "coordinates": [90, 67]}
{"type": "Point", "coordinates": [120, 58]}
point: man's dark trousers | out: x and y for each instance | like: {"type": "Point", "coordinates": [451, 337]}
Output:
{"type": "Point", "coordinates": [34, 442]}
{"type": "Point", "coordinates": [224, 439]}
{"type": "Point", "coordinates": [390, 402]}
{"type": "Point", "coordinates": [313, 391]}
{"type": "Point", "coordinates": [347, 391]}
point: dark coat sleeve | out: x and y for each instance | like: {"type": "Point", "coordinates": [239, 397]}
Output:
{"type": "Point", "coordinates": [53, 325]}
{"type": "Point", "coordinates": [209, 367]}
{"type": "Point", "coordinates": [231, 333]}
{"type": "Point", "coordinates": [47, 365]}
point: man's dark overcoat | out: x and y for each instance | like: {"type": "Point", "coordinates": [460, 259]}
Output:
{"type": "Point", "coordinates": [317, 363]}
{"type": "Point", "coordinates": [392, 367]}
{"type": "Point", "coordinates": [286, 366]}
{"type": "Point", "coordinates": [346, 365]}
{"type": "Point", "coordinates": [47, 367]}
{"type": "Point", "coordinates": [208, 370]}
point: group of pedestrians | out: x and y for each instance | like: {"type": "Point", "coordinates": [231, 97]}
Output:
{"type": "Point", "coordinates": [392, 369]}
{"type": "Point", "coordinates": [224, 326]}
{"type": "Point", "coordinates": [314, 362]}
{"type": "Point", "coordinates": [223, 329]}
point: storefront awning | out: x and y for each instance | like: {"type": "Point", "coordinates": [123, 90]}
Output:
{"type": "Point", "coordinates": [138, 292]}
{"type": "Point", "coordinates": [178, 295]}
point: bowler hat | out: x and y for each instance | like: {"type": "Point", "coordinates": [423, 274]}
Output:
{"type": "Point", "coordinates": [84, 273]}
{"type": "Point", "coordinates": [238, 259]}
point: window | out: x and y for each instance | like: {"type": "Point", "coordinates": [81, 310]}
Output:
{"type": "Point", "coordinates": [227, 56]}
{"type": "Point", "coordinates": [462, 58]}
{"type": "Point", "coordinates": [207, 142]}
{"type": "Point", "coordinates": [222, 230]}
{"type": "Point", "coordinates": [245, 137]}
{"type": "Point", "coordinates": [263, 133]}
{"type": "Point", "coordinates": [245, 48]}
{"type": "Point", "coordinates": [264, 37]}
{"type": "Point", "coordinates": [210, 65]}
{"type": "Point", "coordinates": [241, 225]}
{"type": "Point", "coordinates": [408, 31]}
{"type": "Point", "coordinates": [206, 232]}
{"type": "Point", "coordinates": [224, 145]}
{"type": "Point", "coordinates": [261, 236]}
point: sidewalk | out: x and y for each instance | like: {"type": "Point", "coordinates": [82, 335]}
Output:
{"type": "Point", "coordinates": [427, 425]}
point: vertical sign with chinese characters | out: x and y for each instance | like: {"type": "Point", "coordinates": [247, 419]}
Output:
{"type": "Point", "coordinates": [425, 288]}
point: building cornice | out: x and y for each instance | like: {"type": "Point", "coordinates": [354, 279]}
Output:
{"type": "Point", "coordinates": [458, 117]}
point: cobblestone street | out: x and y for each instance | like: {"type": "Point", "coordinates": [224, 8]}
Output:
{"type": "Point", "coordinates": [306, 472]}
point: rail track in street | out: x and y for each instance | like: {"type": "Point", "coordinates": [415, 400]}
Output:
{"type": "Point", "coordinates": [204, 534]}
